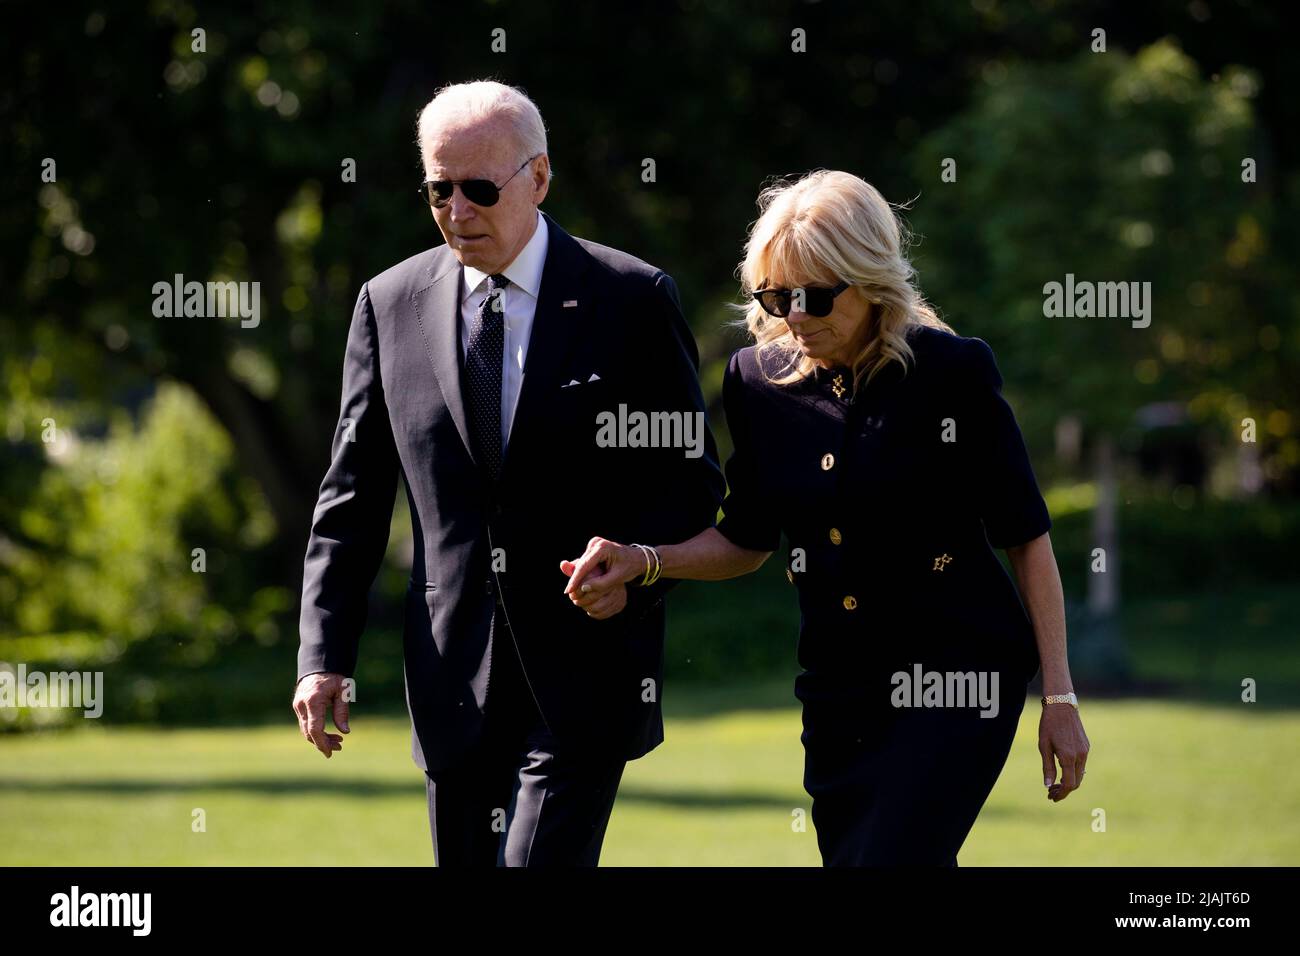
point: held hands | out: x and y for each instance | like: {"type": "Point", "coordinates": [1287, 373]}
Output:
{"type": "Point", "coordinates": [1061, 736]}
{"type": "Point", "coordinates": [598, 579]}
{"type": "Point", "coordinates": [314, 694]}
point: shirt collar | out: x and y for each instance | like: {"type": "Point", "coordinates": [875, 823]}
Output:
{"type": "Point", "coordinates": [525, 272]}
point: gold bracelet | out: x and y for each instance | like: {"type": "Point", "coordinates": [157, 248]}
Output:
{"type": "Point", "coordinates": [1069, 698]}
{"type": "Point", "coordinates": [645, 577]}
{"type": "Point", "coordinates": [658, 564]}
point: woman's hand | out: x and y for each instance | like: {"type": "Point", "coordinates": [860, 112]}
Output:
{"type": "Point", "coordinates": [1061, 738]}
{"type": "Point", "coordinates": [598, 579]}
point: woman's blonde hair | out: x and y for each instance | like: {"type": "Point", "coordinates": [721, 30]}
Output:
{"type": "Point", "coordinates": [828, 227]}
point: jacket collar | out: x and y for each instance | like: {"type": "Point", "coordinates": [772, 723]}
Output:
{"type": "Point", "coordinates": [560, 308]}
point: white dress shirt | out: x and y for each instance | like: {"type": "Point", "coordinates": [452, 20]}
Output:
{"type": "Point", "coordinates": [519, 304]}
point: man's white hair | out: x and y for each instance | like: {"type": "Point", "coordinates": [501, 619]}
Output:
{"type": "Point", "coordinates": [460, 103]}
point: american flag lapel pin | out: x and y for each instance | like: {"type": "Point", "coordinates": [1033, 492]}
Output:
{"type": "Point", "coordinates": [570, 303]}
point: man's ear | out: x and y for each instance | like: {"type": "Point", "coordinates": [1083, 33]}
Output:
{"type": "Point", "coordinates": [541, 179]}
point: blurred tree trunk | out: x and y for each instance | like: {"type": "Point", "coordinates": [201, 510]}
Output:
{"type": "Point", "coordinates": [1100, 654]}
{"type": "Point", "coordinates": [268, 453]}
{"type": "Point", "coordinates": [1103, 587]}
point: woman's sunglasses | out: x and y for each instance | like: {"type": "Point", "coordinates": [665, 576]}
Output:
{"type": "Point", "coordinates": [817, 302]}
{"type": "Point", "coordinates": [481, 192]}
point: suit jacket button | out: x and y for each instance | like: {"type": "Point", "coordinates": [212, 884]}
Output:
{"type": "Point", "coordinates": [828, 461]}
{"type": "Point", "coordinates": [850, 602]}
{"type": "Point", "coordinates": [836, 537]}
{"type": "Point", "coordinates": [489, 588]}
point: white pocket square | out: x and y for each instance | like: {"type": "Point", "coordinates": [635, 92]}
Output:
{"type": "Point", "coordinates": [573, 381]}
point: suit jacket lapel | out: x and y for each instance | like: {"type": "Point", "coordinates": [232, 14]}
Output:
{"type": "Point", "coordinates": [437, 309]}
{"type": "Point", "coordinates": [554, 326]}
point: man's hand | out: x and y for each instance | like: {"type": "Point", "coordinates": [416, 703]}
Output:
{"type": "Point", "coordinates": [598, 579]}
{"type": "Point", "coordinates": [314, 695]}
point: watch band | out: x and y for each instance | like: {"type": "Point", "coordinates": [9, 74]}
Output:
{"type": "Point", "coordinates": [1062, 699]}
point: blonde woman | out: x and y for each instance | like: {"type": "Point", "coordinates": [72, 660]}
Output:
{"type": "Point", "coordinates": [877, 441]}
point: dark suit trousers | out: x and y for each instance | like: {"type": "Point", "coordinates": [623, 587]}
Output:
{"type": "Point", "coordinates": [517, 798]}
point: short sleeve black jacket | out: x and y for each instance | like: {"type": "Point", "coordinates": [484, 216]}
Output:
{"type": "Point", "coordinates": [891, 502]}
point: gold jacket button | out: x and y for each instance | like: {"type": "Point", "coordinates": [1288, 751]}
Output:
{"type": "Point", "coordinates": [828, 461]}
{"type": "Point", "coordinates": [836, 537]}
{"type": "Point", "coordinates": [789, 575]}
{"type": "Point", "coordinates": [850, 602]}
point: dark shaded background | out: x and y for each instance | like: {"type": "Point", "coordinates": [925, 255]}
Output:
{"type": "Point", "coordinates": [131, 440]}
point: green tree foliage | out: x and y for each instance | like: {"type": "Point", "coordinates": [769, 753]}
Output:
{"type": "Point", "coordinates": [227, 162]}
{"type": "Point", "coordinates": [1117, 168]}
{"type": "Point", "coordinates": [108, 572]}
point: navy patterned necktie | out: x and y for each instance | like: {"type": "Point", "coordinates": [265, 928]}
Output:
{"type": "Point", "coordinates": [483, 359]}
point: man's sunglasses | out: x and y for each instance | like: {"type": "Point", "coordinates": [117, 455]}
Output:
{"type": "Point", "coordinates": [481, 192]}
{"type": "Point", "coordinates": [817, 302]}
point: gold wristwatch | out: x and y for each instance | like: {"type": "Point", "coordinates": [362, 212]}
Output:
{"type": "Point", "coordinates": [1062, 699]}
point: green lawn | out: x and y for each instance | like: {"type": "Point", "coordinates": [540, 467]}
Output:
{"type": "Point", "coordinates": [1180, 784]}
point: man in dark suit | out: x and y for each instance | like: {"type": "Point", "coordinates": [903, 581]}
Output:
{"type": "Point", "coordinates": [502, 375]}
